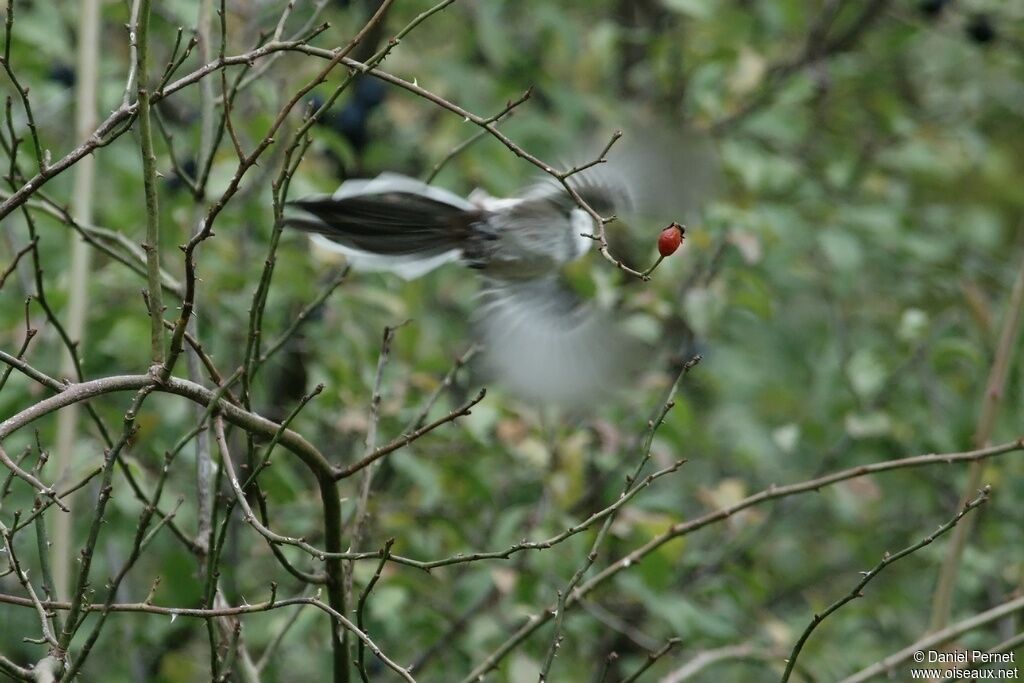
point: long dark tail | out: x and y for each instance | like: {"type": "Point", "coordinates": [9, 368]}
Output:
{"type": "Point", "coordinates": [391, 223]}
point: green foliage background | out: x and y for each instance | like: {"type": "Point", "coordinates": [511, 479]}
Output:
{"type": "Point", "coordinates": [845, 287]}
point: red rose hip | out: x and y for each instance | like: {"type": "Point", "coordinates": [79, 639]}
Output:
{"type": "Point", "coordinates": [670, 239]}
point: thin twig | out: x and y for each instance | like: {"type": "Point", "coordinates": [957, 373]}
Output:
{"type": "Point", "coordinates": [446, 383]}
{"type": "Point", "coordinates": [31, 480]}
{"type": "Point", "coordinates": [601, 158]}
{"type": "Point", "coordinates": [303, 315]}
{"type": "Point", "coordinates": [268, 652]}
{"type": "Point", "coordinates": [226, 611]}
{"type": "Point", "coordinates": [645, 456]}
{"type": "Point", "coordinates": [652, 658]}
{"type": "Point", "coordinates": [41, 156]}
{"type": "Point", "coordinates": [357, 526]}
{"type": "Point", "coordinates": [45, 505]}
{"type": "Point", "coordinates": [606, 666]}
{"type": "Point", "coordinates": [80, 593]}
{"type": "Point", "coordinates": [385, 553]}
{"type": "Point", "coordinates": [454, 152]}
{"type": "Point", "coordinates": [152, 243]}
{"type": "Point", "coordinates": [29, 335]}
{"type": "Point", "coordinates": [937, 639]}
{"type": "Point", "coordinates": [702, 660]}
{"type": "Point", "coordinates": [48, 635]}
{"type": "Point", "coordinates": [942, 599]}
{"type": "Point", "coordinates": [887, 559]}
{"type": "Point", "coordinates": [588, 523]}
{"type": "Point", "coordinates": [127, 253]}
{"type": "Point", "coordinates": [687, 527]}
{"type": "Point", "coordinates": [505, 113]}
{"type": "Point", "coordinates": [243, 503]}
{"type": "Point", "coordinates": [464, 409]}
{"type": "Point", "coordinates": [17, 257]}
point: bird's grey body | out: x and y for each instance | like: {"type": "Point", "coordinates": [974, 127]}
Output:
{"type": "Point", "coordinates": [540, 340]}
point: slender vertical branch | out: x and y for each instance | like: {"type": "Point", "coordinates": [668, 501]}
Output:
{"type": "Point", "coordinates": [303, 315]}
{"type": "Point", "coordinates": [130, 86]}
{"type": "Point", "coordinates": [142, 539]}
{"type": "Point", "coordinates": [43, 547]}
{"type": "Point", "coordinates": [86, 85]}
{"type": "Point", "coordinates": [21, 575]}
{"type": "Point", "coordinates": [79, 595]}
{"type": "Point", "coordinates": [357, 527]}
{"type": "Point", "coordinates": [942, 599]}
{"type": "Point", "coordinates": [385, 553]}
{"type": "Point", "coordinates": [41, 156]}
{"type": "Point", "coordinates": [206, 92]}
{"type": "Point", "coordinates": [207, 148]}
{"type": "Point", "coordinates": [631, 479]}
{"type": "Point", "coordinates": [152, 244]}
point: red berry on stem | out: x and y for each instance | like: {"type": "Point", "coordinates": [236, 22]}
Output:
{"type": "Point", "coordinates": [670, 239]}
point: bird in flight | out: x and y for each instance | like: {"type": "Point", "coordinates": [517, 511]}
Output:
{"type": "Point", "coordinates": [539, 339]}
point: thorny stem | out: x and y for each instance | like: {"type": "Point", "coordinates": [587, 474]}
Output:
{"type": "Point", "coordinates": [152, 244]}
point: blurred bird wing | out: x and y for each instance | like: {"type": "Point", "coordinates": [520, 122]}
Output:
{"type": "Point", "coordinates": [544, 344]}
{"type": "Point", "coordinates": [605, 192]}
{"type": "Point", "coordinates": [670, 173]}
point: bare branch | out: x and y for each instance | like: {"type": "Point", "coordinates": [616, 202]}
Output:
{"type": "Point", "coordinates": [385, 553]}
{"type": "Point", "coordinates": [152, 243]}
{"type": "Point", "coordinates": [687, 527]}
{"type": "Point", "coordinates": [228, 611]}
{"type": "Point", "coordinates": [240, 499]}
{"type": "Point", "coordinates": [446, 383]}
{"type": "Point", "coordinates": [41, 157]}
{"type": "Point", "coordinates": [651, 659]}
{"type": "Point", "coordinates": [937, 639]}
{"type": "Point", "coordinates": [942, 600]}
{"type": "Point", "coordinates": [22, 576]}
{"type": "Point", "coordinates": [464, 409]}
{"type": "Point", "coordinates": [17, 257]}
{"type": "Point", "coordinates": [857, 591]}
{"type": "Point", "coordinates": [645, 456]}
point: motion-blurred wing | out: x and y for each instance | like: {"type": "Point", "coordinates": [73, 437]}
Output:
{"type": "Point", "coordinates": [543, 344]}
